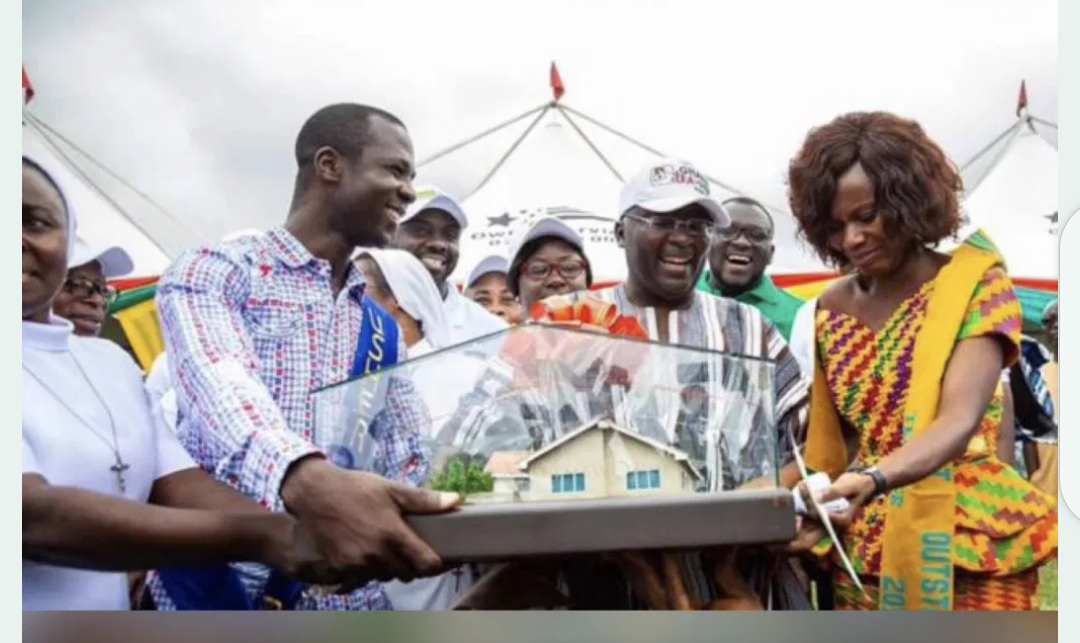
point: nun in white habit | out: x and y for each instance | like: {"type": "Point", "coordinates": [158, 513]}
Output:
{"type": "Point", "coordinates": [398, 282]}
{"type": "Point", "coordinates": [102, 482]}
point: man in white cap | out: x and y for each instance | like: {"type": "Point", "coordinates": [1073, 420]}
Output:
{"type": "Point", "coordinates": [86, 294]}
{"type": "Point", "coordinates": [487, 286]}
{"type": "Point", "coordinates": [667, 217]}
{"type": "Point", "coordinates": [431, 230]}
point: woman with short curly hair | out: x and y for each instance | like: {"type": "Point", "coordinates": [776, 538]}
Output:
{"type": "Point", "coordinates": [906, 400]}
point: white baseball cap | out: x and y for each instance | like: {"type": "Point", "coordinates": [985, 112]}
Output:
{"type": "Point", "coordinates": [489, 264]}
{"type": "Point", "coordinates": [546, 226]}
{"type": "Point", "coordinates": [431, 198]}
{"type": "Point", "coordinates": [668, 185]}
{"type": "Point", "coordinates": [114, 260]}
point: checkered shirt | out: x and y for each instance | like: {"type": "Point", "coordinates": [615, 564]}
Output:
{"type": "Point", "coordinates": [252, 328]}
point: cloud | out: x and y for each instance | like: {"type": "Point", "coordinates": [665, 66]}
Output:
{"type": "Point", "coordinates": [198, 102]}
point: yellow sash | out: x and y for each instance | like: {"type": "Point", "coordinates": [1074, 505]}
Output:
{"type": "Point", "coordinates": [917, 567]}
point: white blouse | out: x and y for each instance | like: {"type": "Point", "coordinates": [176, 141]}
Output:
{"type": "Point", "coordinates": [68, 439]}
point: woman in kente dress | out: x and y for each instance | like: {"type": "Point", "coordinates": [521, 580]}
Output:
{"type": "Point", "coordinates": [907, 398]}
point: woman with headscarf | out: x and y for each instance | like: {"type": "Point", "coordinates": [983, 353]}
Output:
{"type": "Point", "coordinates": [399, 283]}
{"type": "Point", "coordinates": [106, 490]}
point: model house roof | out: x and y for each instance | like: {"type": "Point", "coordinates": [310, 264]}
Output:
{"type": "Point", "coordinates": [505, 463]}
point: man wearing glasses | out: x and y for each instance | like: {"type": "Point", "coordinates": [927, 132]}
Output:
{"type": "Point", "coordinates": [86, 295]}
{"type": "Point", "coordinates": [740, 253]}
{"type": "Point", "coordinates": [667, 219]}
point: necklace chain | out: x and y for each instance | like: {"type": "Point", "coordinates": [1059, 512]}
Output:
{"type": "Point", "coordinates": [120, 466]}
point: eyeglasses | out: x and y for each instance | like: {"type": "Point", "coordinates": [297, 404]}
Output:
{"type": "Point", "coordinates": [538, 269]}
{"type": "Point", "coordinates": [86, 288]}
{"type": "Point", "coordinates": [664, 224]}
{"type": "Point", "coordinates": [753, 235]}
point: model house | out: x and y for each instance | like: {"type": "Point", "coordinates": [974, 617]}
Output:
{"type": "Point", "coordinates": [599, 460]}
{"type": "Point", "coordinates": [510, 481]}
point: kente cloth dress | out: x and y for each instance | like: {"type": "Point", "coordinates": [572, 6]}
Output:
{"type": "Point", "coordinates": [1005, 526]}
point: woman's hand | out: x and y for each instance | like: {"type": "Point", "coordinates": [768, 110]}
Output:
{"type": "Point", "coordinates": [807, 534]}
{"type": "Point", "coordinates": [856, 488]}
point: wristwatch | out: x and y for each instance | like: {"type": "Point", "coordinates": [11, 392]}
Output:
{"type": "Point", "coordinates": [881, 485]}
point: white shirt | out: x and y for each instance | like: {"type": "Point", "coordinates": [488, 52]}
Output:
{"type": "Point", "coordinates": [162, 395]}
{"type": "Point", "coordinates": [69, 441]}
{"type": "Point", "coordinates": [802, 338]}
{"type": "Point", "coordinates": [468, 319]}
{"type": "Point", "coordinates": [437, 593]}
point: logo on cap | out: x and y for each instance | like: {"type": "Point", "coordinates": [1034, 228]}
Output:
{"type": "Point", "coordinates": [670, 174]}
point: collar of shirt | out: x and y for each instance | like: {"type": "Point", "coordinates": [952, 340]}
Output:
{"type": "Point", "coordinates": [764, 291]}
{"type": "Point", "coordinates": [53, 336]}
{"type": "Point", "coordinates": [455, 305]}
{"type": "Point", "coordinates": [291, 252]}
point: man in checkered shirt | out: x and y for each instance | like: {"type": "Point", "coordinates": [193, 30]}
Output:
{"type": "Point", "coordinates": [254, 325]}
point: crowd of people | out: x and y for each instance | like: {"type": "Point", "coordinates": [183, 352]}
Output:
{"type": "Point", "coordinates": [907, 381]}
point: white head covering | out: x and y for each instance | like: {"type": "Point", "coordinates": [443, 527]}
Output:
{"type": "Point", "coordinates": [44, 165]}
{"type": "Point", "coordinates": [415, 291]}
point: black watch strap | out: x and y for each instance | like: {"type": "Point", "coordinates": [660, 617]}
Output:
{"type": "Point", "coordinates": [881, 485]}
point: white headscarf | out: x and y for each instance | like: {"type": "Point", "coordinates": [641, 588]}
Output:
{"type": "Point", "coordinates": [415, 291]}
{"type": "Point", "coordinates": [45, 166]}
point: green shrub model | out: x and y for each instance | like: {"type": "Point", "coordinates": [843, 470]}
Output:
{"type": "Point", "coordinates": [461, 478]}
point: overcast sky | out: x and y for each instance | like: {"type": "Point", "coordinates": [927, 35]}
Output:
{"type": "Point", "coordinates": [197, 102]}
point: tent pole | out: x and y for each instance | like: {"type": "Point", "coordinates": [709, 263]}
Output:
{"type": "Point", "coordinates": [653, 150]}
{"type": "Point", "coordinates": [990, 145]}
{"type": "Point", "coordinates": [1045, 123]}
{"type": "Point", "coordinates": [45, 129]}
{"type": "Point", "coordinates": [477, 137]}
{"type": "Point", "coordinates": [510, 151]}
{"type": "Point", "coordinates": [93, 186]}
{"type": "Point", "coordinates": [1015, 133]}
{"type": "Point", "coordinates": [589, 142]}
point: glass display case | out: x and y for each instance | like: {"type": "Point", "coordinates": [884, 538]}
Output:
{"type": "Point", "coordinates": [567, 441]}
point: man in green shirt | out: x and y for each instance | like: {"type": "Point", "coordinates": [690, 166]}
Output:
{"type": "Point", "coordinates": [738, 257]}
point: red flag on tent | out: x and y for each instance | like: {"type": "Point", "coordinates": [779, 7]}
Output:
{"type": "Point", "coordinates": [1021, 102]}
{"type": "Point", "coordinates": [557, 88]}
{"type": "Point", "coordinates": [28, 89]}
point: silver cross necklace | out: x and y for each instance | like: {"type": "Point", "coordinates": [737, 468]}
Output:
{"type": "Point", "coordinates": [119, 466]}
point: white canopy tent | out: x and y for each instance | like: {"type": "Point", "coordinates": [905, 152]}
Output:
{"type": "Point", "coordinates": [557, 166]}
{"type": "Point", "coordinates": [1015, 198]}
{"type": "Point", "coordinates": [100, 219]}
{"type": "Point", "coordinates": [551, 172]}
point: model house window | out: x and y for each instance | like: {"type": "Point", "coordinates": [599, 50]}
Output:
{"type": "Point", "coordinates": [567, 482]}
{"type": "Point", "coordinates": [643, 479]}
